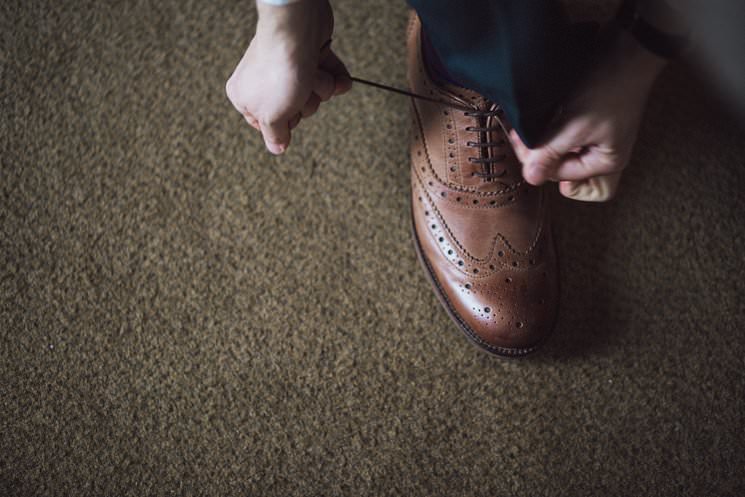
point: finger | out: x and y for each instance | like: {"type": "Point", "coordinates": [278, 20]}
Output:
{"type": "Point", "coordinates": [536, 174]}
{"type": "Point", "coordinates": [334, 66]}
{"type": "Point", "coordinates": [593, 161]}
{"type": "Point", "coordinates": [324, 85]}
{"type": "Point", "coordinates": [597, 189]}
{"type": "Point", "coordinates": [541, 163]}
{"type": "Point", "coordinates": [276, 135]}
{"type": "Point", "coordinates": [294, 121]}
{"type": "Point", "coordinates": [521, 150]}
{"type": "Point", "coordinates": [250, 119]}
{"type": "Point", "coordinates": [311, 106]}
{"type": "Point", "coordinates": [230, 91]}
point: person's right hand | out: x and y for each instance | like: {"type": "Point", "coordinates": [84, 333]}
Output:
{"type": "Point", "coordinates": [590, 148]}
{"type": "Point", "coordinates": [287, 70]}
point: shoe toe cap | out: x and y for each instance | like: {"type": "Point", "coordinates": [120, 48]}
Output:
{"type": "Point", "coordinates": [507, 310]}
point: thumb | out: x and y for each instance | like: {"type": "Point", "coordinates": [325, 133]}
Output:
{"type": "Point", "coordinates": [540, 164]}
{"type": "Point", "coordinates": [276, 135]}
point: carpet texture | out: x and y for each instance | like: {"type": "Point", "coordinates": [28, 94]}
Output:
{"type": "Point", "coordinates": [183, 314]}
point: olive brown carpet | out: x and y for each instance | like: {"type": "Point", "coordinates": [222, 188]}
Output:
{"type": "Point", "coordinates": [183, 314]}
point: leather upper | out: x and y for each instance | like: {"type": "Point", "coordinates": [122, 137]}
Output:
{"type": "Point", "coordinates": [482, 230]}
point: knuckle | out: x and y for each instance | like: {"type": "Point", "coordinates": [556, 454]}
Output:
{"type": "Point", "coordinates": [602, 190]}
{"type": "Point", "coordinates": [271, 120]}
{"type": "Point", "coordinates": [230, 89]}
{"type": "Point", "coordinates": [600, 196]}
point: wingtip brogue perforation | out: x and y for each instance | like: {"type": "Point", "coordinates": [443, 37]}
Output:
{"type": "Point", "coordinates": [481, 232]}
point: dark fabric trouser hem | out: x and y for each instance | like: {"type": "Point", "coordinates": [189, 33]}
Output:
{"type": "Point", "coordinates": [524, 55]}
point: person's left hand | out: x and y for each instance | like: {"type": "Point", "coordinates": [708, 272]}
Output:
{"type": "Point", "coordinates": [597, 131]}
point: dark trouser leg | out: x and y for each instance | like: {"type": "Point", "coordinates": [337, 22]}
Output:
{"type": "Point", "coordinates": [522, 54]}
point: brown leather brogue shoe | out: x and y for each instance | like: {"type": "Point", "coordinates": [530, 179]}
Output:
{"type": "Point", "coordinates": [480, 230]}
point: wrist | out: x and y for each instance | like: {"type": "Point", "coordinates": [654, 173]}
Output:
{"type": "Point", "coordinates": [304, 20]}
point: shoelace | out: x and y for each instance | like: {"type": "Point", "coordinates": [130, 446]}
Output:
{"type": "Point", "coordinates": [487, 174]}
